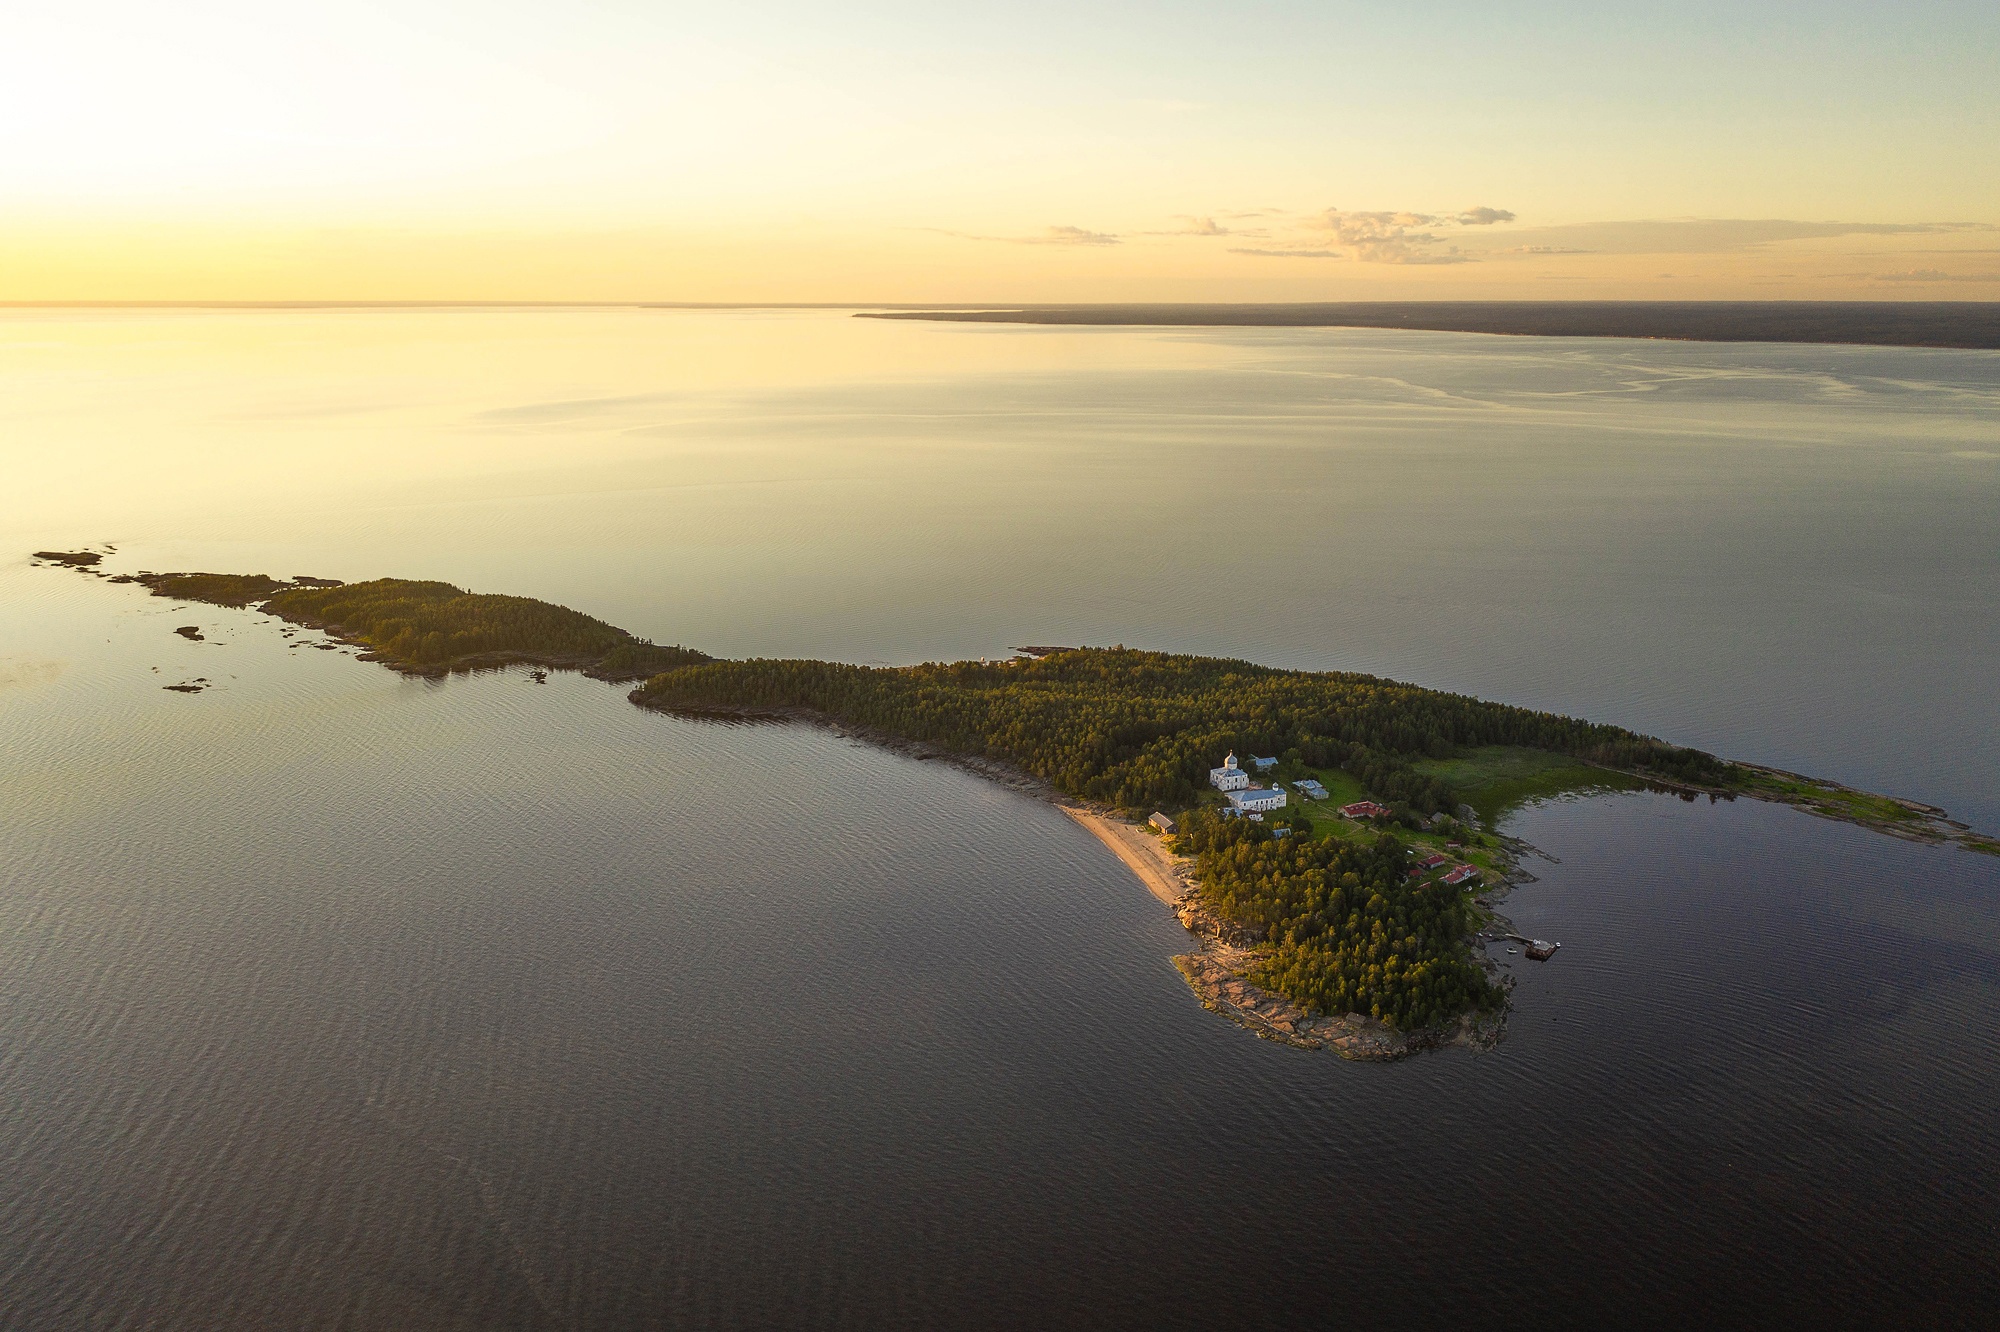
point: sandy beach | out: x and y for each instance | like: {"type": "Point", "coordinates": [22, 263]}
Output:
{"type": "Point", "coordinates": [1144, 854]}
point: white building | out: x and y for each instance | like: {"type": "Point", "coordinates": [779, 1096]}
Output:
{"type": "Point", "coordinates": [1228, 777]}
{"type": "Point", "coordinates": [1246, 801]}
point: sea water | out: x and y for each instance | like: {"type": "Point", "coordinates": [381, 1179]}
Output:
{"type": "Point", "coordinates": [334, 999]}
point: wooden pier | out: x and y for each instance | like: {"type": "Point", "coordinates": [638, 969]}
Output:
{"type": "Point", "coordinates": [1541, 950]}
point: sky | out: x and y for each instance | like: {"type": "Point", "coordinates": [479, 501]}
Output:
{"type": "Point", "coordinates": [893, 151]}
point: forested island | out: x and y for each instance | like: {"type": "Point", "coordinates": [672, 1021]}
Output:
{"type": "Point", "coordinates": [1334, 916]}
{"type": "Point", "coordinates": [432, 628]}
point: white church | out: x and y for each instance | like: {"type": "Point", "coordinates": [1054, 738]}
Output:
{"type": "Point", "coordinates": [1233, 781]}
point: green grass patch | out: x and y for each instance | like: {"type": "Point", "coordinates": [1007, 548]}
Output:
{"type": "Point", "coordinates": [213, 588]}
{"type": "Point", "coordinates": [1495, 779]}
{"type": "Point", "coordinates": [1836, 800]}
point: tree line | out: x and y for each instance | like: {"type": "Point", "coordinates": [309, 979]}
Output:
{"type": "Point", "coordinates": [1141, 729]}
{"type": "Point", "coordinates": [1350, 931]}
{"type": "Point", "coordinates": [424, 623]}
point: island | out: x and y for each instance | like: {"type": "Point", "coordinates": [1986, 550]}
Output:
{"type": "Point", "coordinates": [432, 628]}
{"type": "Point", "coordinates": [1328, 836]}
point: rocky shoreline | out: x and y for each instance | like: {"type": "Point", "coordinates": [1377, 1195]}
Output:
{"type": "Point", "coordinates": [1913, 820]}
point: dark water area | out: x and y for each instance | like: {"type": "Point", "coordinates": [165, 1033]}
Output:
{"type": "Point", "coordinates": [335, 999]}
{"type": "Point", "coordinates": [331, 999]}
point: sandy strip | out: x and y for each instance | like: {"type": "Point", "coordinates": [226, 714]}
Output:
{"type": "Point", "coordinates": [1143, 854]}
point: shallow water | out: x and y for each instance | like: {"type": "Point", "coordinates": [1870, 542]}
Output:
{"type": "Point", "coordinates": [334, 999]}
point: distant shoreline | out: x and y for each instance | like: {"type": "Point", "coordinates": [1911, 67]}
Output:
{"type": "Point", "coordinates": [1955, 325]}
{"type": "Point", "coordinates": [1948, 325]}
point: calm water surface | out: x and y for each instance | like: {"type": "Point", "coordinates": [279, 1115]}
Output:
{"type": "Point", "coordinates": [331, 999]}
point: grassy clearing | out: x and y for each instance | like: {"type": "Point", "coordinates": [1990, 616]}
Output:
{"type": "Point", "coordinates": [1497, 778]}
{"type": "Point", "coordinates": [1839, 801]}
{"type": "Point", "coordinates": [1344, 788]}
{"type": "Point", "coordinates": [215, 589]}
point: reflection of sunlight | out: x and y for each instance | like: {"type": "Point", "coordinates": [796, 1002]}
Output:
{"type": "Point", "coordinates": [110, 413]}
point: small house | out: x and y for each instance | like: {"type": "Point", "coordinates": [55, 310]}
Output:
{"type": "Point", "coordinates": [1263, 764]}
{"type": "Point", "coordinates": [1163, 823]}
{"type": "Point", "coordinates": [1463, 874]}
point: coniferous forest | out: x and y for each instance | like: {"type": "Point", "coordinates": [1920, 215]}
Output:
{"type": "Point", "coordinates": [425, 625]}
{"type": "Point", "coordinates": [1350, 930]}
{"type": "Point", "coordinates": [1141, 729]}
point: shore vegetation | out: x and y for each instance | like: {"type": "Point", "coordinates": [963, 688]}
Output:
{"type": "Point", "coordinates": [1347, 929]}
{"type": "Point", "coordinates": [425, 625]}
{"type": "Point", "coordinates": [1142, 729]}
{"type": "Point", "coordinates": [213, 588]}
{"type": "Point", "coordinates": [429, 627]}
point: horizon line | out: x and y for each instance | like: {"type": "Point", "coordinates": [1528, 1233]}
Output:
{"type": "Point", "coordinates": [308, 303]}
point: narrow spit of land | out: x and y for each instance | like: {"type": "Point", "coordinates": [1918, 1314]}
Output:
{"type": "Point", "coordinates": [1961, 324]}
{"type": "Point", "coordinates": [1353, 930]}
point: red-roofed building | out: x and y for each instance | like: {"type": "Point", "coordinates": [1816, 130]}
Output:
{"type": "Point", "coordinates": [1433, 860]}
{"type": "Point", "coordinates": [1364, 809]}
{"type": "Point", "coordinates": [1463, 874]}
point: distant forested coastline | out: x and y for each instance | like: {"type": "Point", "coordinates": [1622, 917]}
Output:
{"type": "Point", "coordinates": [1960, 324]}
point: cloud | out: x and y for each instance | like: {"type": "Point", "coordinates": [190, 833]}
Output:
{"type": "Point", "coordinates": [1289, 254]}
{"type": "Point", "coordinates": [1377, 237]}
{"type": "Point", "coordinates": [1068, 236]}
{"type": "Point", "coordinates": [1546, 249]}
{"type": "Point", "coordinates": [1401, 237]}
{"type": "Point", "coordinates": [1935, 275]}
{"type": "Point", "coordinates": [1193, 226]}
{"type": "Point", "coordinates": [1049, 236]}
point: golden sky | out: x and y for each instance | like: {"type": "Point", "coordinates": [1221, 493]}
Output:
{"type": "Point", "coordinates": [1032, 151]}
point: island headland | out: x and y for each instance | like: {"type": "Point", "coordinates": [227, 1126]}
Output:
{"type": "Point", "coordinates": [1339, 877]}
{"type": "Point", "coordinates": [1962, 324]}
